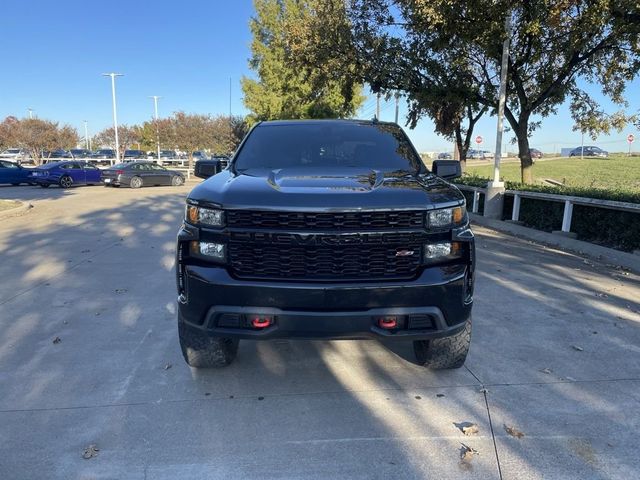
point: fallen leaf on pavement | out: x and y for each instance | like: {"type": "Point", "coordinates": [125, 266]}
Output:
{"type": "Point", "coordinates": [121, 290]}
{"type": "Point", "coordinates": [546, 370]}
{"type": "Point", "coordinates": [56, 340]}
{"type": "Point", "coordinates": [576, 347]}
{"type": "Point", "coordinates": [467, 453]}
{"type": "Point", "coordinates": [167, 366]}
{"type": "Point", "coordinates": [439, 395]}
{"type": "Point", "coordinates": [467, 428]}
{"type": "Point", "coordinates": [90, 452]}
{"type": "Point", "coordinates": [514, 432]}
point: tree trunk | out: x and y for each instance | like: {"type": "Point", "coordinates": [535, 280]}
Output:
{"type": "Point", "coordinates": [462, 152]}
{"type": "Point", "coordinates": [526, 170]}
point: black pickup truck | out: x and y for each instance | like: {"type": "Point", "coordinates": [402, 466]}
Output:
{"type": "Point", "coordinates": [326, 229]}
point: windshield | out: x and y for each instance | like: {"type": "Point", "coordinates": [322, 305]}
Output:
{"type": "Point", "coordinates": [316, 144]}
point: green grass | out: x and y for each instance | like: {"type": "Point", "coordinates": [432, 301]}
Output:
{"type": "Point", "coordinates": [7, 204]}
{"type": "Point", "coordinates": [618, 173]}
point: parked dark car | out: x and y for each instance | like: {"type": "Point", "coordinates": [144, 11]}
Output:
{"type": "Point", "coordinates": [535, 153]}
{"type": "Point", "coordinates": [104, 154]}
{"type": "Point", "coordinates": [134, 154]}
{"type": "Point", "coordinates": [140, 174]}
{"type": "Point", "coordinates": [77, 153]}
{"type": "Point", "coordinates": [66, 174]}
{"type": "Point", "coordinates": [168, 155]}
{"type": "Point", "coordinates": [589, 151]}
{"type": "Point", "coordinates": [200, 155]}
{"type": "Point", "coordinates": [59, 153]}
{"type": "Point", "coordinates": [14, 173]}
{"type": "Point", "coordinates": [444, 156]}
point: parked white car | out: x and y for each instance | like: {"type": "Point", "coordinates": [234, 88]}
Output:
{"type": "Point", "coordinates": [15, 154]}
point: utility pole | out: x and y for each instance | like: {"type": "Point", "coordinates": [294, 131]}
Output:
{"type": "Point", "coordinates": [378, 107]}
{"type": "Point", "coordinates": [582, 147]}
{"type": "Point", "coordinates": [86, 136]}
{"type": "Point", "coordinates": [115, 115]}
{"type": "Point", "coordinates": [229, 97]}
{"type": "Point", "coordinates": [495, 189]}
{"type": "Point", "coordinates": [397, 106]}
{"type": "Point", "coordinates": [155, 108]}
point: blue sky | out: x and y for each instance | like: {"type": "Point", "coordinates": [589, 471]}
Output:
{"type": "Point", "coordinates": [53, 55]}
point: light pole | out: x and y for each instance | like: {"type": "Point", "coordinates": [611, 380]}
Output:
{"type": "Point", "coordinates": [495, 189]}
{"type": "Point", "coordinates": [30, 113]}
{"type": "Point", "coordinates": [155, 108]}
{"type": "Point", "coordinates": [86, 136]}
{"type": "Point", "coordinates": [397, 106]}
{"type": "Point", "coordinates": [115, 115]}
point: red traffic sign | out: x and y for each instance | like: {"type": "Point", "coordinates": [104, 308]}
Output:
{"type": "Point", "coordinates": [478, 139]}
{"type": "Point", "coordinates": [630, 138]}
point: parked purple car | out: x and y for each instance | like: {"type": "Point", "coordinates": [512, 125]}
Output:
{"type": "Point", "coordinates": [11, 172]}
{"type": "Point", "coordinates": [66, 174]}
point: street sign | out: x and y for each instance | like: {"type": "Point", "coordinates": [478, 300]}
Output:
{"type": "Point", "coordinates": [630, 138]}
{"type": "Point", "coordinates": [478, 139]}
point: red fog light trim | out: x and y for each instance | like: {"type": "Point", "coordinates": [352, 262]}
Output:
{"type": "Point", "coordinates": [261, 321]}
{"type": "Point", "coordinates": [388, 322]}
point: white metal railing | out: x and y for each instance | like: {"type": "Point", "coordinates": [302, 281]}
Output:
{"type": "Point", "coordinates": [568, 200]}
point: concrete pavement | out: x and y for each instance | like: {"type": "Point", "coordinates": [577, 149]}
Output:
{"type": "Point", "coordinates": [555, 354]}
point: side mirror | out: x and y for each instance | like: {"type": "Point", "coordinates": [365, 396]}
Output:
{"type": "Point", "coordinates": [206, 168]}
{"type": "Point", "coordinates": [447, 169]}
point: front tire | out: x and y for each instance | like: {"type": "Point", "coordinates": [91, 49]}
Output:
{"type": "Point", "coordinates": [204, 351]}
{"type": "Point", "coordinates": [66, 182]}
{"type": "Point", "coordinates": [444, 353]}
{"type": "Point", "coordinates": [136, 182]}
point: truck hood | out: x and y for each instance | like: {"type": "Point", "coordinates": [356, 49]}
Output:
{"type": "Point", "coordinates": [321, 189]}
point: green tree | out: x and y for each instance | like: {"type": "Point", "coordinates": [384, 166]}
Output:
{"type": "Point", "coordinates": [7, 132]}
{"type": "Point", "coordinates": [365, 46]}
{"type": "Point", "coordinates": [281, 89]}
{"type": "Point", "coordinates": [557, 47]}
{"type": "Point", "coordinates": [128, 135]}
{"type": "Point", "coordinates": [36, 135]}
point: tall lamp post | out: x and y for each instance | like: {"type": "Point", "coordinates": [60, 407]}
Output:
{"type": "Point", "coordinates": [115, 115]}
{"type": "Point", "coordinates": [495, 189]}
{"type": "Point", "coordinates": [86, 136]}
{"type": "Point", "coordinates": [155, 109]}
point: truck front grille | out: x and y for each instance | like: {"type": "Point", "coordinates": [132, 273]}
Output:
{"type": "Point", "coordinates": [387, 256]}
{"type": "Point", "coordinates": [331, 221]}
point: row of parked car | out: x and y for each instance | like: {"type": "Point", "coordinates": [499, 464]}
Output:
{"type": "Point", "coordinates": [587, 151]}
{"type": "Point", "coordinates": [99, 156]}
{"type": "Point", "coordinates": [69, 173]}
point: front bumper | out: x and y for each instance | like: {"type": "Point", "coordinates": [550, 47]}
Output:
{"type": "Point", "coordinates": [436, 304]}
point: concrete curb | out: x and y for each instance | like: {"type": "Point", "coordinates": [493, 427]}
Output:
{"type": "Point", "coordinates": [597, 252]}
{"type": "Point", "coordinates": [16, 211]}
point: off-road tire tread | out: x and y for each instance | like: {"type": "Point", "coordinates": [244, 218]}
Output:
{"type": "Point", "coordinates": [203, 351]}
{"type": "Point", "coordinates": [444, 353]}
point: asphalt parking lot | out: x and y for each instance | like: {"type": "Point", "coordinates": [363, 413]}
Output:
{"type": "Point", "coordinates": [89, 356]}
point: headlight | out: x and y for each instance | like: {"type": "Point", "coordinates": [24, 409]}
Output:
{"type": "Point", "coordinates": [446, 217]}
{"type": "Point", "coordinates": [214, 251]}
{"type": "Point", "coordinates": [204, 216]}
{"type": "Point", "coordinates": [434, 252]}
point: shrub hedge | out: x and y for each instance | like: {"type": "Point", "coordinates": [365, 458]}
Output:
{"type": "Point", "coordinates": [611, 228]}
